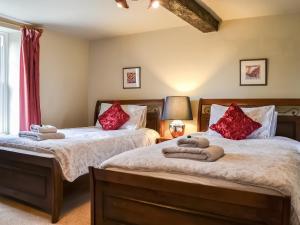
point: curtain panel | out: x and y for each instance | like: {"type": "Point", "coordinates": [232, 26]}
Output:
{"type": "Point", "coordinates": [30, 112]}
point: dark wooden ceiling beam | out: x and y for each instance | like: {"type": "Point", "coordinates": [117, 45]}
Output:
{"type": "Point", "coordinates": [193, 13]}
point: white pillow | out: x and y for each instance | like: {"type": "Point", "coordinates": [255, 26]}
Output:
{"type": "Point", "coordinates": [274, 124]}
{"type": "Point", "coordinates": [263, 115]}
{"type": "Point", "coordinates": [138, 116]}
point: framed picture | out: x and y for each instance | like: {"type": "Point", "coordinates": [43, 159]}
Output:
{"type": "Point", "coordinates": [253, 72]}
{"type": "Point", "coordinates": [131, 77]}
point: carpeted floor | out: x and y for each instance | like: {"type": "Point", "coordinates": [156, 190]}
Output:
{"type": "Point", "coordinates": [76, 211]}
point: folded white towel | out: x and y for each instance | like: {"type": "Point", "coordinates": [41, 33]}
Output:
{"type": "Point", "coordinates": [43, 128]}
{"type": "Point", "coordinates": [209, 154]}
{"type": "Point", "coordinates": [40, 136]}
{"type": "Point", "coordinates": [193, 142]}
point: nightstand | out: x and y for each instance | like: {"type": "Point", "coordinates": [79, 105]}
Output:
{"type": "Point", "coordinates": [162, 139]}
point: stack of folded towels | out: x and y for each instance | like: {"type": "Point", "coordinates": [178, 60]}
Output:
{"type": "Point", "coordinates": [196, 148]}
{"type": "Point", "coordinates": [41, 133]}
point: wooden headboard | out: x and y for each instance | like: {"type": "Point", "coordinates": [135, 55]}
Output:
{"type": "Point", "coordinates": [154, 111]}
{"type": "Point", "coordinates": [288, 124]}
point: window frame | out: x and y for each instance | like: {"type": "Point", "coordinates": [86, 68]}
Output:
{"type": "Point", "coordinates": [4, 60]}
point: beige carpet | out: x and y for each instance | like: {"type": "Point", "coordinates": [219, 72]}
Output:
{"type": "Point", "coordinates": [76, 211]}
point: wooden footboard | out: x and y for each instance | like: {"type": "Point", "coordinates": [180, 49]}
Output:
{"type": "Point", "coordinates": [32, 179]}
{"type": "Point", "coordinates": [122, 198]}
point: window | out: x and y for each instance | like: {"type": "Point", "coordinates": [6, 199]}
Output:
{"type": "Point", "coordinates": [3, 82]}
{"type": "Point", "coordinates": [10, 43]}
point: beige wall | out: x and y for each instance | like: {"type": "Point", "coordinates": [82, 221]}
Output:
{"type": "Point", "coordinates": [64, 74]}
{"type": "Point", "coordinates": [184, 61]}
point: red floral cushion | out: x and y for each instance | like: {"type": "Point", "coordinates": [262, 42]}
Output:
{"type": "Point", "coordinates": [113, 118]}
{"type": "Point", "coordinates": [235, 124]}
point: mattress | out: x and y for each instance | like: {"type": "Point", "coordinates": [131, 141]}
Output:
{"type": "Point", "coordinates": [260, 165]}
{"type": "Point", "coordinates": [82, 147]}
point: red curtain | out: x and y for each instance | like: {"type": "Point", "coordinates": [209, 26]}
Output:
{"type": "Point", "coordinates": [30, 112]}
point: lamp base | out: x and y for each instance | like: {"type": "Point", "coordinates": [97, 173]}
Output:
{"type": "Point", "coordinates": [177, 128]}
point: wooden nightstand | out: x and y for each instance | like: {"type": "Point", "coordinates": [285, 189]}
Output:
{"type": "Point", "coordinates": [162, 139]}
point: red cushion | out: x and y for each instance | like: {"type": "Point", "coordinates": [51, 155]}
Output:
{"type": "Point", "coordinates": [235, 124]}
{"type": "Point", "coordinates": [113, 118]}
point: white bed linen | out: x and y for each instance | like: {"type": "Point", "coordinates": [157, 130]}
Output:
{"type": "Point", "coordinates": [272, 163]}
{"type": "Point", "coordinates": [82, 147]}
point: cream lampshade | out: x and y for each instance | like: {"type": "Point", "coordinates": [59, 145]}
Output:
{"type": "Point", "coordinates": [177, 108]}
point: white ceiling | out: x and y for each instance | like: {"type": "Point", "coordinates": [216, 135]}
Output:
{"type": "Point", "coordinates": [239, 9]}
{"type": "Point", "coordinates": [91, 19]}
{"type": "Point", "coordinates": [94, 19]}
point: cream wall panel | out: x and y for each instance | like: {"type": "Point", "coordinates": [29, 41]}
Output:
{"type": "Point", "coordinates": [64, 74]}
{"type": "Point", "coordinates": [184, 61]}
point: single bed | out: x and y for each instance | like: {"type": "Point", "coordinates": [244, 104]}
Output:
{"type": "Point", "coordinates": [123, 194]}
{"type": "Point", "coordinates": [38, 172]}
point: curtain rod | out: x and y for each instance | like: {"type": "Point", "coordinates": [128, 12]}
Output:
{"type": "Point", "coordinates": [15, 24]}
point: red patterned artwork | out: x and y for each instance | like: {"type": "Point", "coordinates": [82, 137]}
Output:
{"type": "Point", "coordinates": [253, 72]}
{"type": "Point", "coordinates": [113, 118]}
{"type": "Point", "coordinates": [131, 77]}
{"type": "Point", "coordinates": [235, 124]}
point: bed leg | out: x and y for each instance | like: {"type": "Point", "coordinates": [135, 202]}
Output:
{"type": "Point", "coordinates": [92, 191]}
{"type": "Point", "coordinates": [56, 209]}
{"type": "Point", "coordinates": [55, 216]}
{"type": "Point", "coordinates": [57, 193]}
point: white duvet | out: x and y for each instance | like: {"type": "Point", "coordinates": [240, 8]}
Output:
{"type": "Point", "coordinates": [82, 147]}
{"type": "Point", "coordinates": [269, 163]}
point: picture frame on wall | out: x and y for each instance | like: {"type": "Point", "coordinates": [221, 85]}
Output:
{"type": "Point", "coordinates": [131, 77]}
{"type": "Point", "coordinates": [254, 72]}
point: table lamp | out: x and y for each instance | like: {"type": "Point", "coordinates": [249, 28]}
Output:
{"type": "Point", "coordinates": [177, 108]}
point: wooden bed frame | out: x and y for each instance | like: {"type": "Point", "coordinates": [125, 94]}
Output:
{"type": "Point", "coordinates": [38, 181]}
{"type": "Point", "coordinates": [126, 198]}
